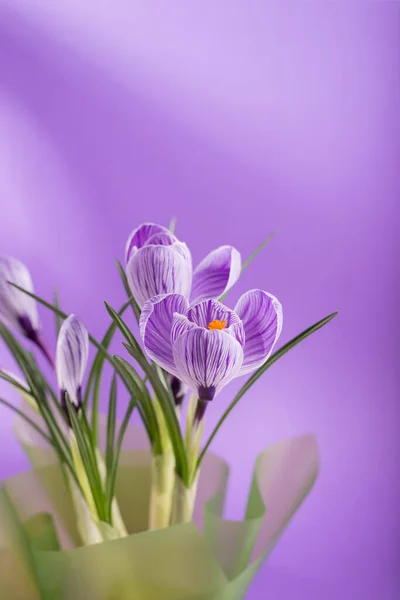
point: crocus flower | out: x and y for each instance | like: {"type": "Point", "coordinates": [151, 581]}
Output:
{"type": "Point", "coordinates": [71, 360]}
{"type": "Point", "coordinates": [206, 345]}
{"type": "Point", "coordinates": [158, 263]}
{"type": "Point", "coordinates": [18, 310]}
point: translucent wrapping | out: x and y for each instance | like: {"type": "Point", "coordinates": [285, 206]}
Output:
{"type": "Point", "coordinates": [210, 559]}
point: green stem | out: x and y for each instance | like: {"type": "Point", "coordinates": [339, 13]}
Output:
{"type": "Point", "coordinates": [162, 489]}
{"type": "Point", "coordinates": [185, 495]}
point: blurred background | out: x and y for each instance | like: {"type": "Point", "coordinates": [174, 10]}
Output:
{"type": "Point", "coordinates": [238, 118]}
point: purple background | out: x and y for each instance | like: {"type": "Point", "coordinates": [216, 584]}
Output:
{"type": "Point", "coordinates": [239, 118]}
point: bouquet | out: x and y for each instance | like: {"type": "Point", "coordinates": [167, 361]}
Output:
{"type": "Point", "coordinates": [110, 510]}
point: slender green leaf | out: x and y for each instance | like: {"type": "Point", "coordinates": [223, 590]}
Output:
{"type": "Point", "coordinates": [44, 384]}
{"type": "Point", "coordinates": [96, 372]}
{"type": "Point", "coordinates": [112, 475]}
{"type": "Point", "coordinates": [111, 418]}
{"type": "Point", "coordinates": [257, 251]}
{"type": "Point", "coordinates": [260, 371]}
{"type": "Point", "coordinates": [247, 262]}
{"type": "Point", "coordinates": [122, 274]}
{"type": "Point", "coordinates": [172, 225]}
{"type": "Point", "coordinates": [90, 465]}
{"type": "Point", "coordinates": [126, 332]}
{"type": "Point", "coordinates": [165, 397]}
{"type": "Point", "coordinates": [63, 315]}
{"type": "Point", "coordinates": [167, 405]}
{"type": "Point", "coordinates": [27, 419]}
{"type": "Point", "coordinates": [144, 402]}
{"type": "Point", "coordinates": [17, 384]}
{"type": "Point", "coordinates": [58, 320]}
{"type": "Point", "coordinates": [34, 381]}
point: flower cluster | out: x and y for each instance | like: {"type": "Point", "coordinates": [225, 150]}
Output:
{"type": "Point", "coordinates": [190, 339]}
{"type": "Point", "coordinates": [183, 326]}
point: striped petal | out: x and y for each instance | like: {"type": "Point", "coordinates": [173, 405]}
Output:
{"type": "Point", "coordinates": [16, 308]}
{"type": "Point", "coordinates": [261, 314]}
{"type": "Point", "coordinates": [180, 325]}
{"type": "Point", "coordinates": [218, 272]}
{"type": "Point", "coordinates": [155, 328]}
{"type": "Point", "coordinates": [207, 360]}
{"type": "Point", "coordinates": [155, 270]}
{"type": "Point", "coordinates": [72, 357]}
{"type": "Point", "coordinates": [141, 235]}
{"type": "Point", "coordinates": [161, 238]}
{"type": "Point", "coordinates": [205, 312]}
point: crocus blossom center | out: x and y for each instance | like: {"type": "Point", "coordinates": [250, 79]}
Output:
{"type": "Point", "coordinates": [216, 324]}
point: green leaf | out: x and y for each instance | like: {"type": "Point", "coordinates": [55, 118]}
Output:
{"type": "Point", "coordinates": [126, 332]}
{"type": "Point", "coordinates": [35, 383]}
{"type": "Point", "coordinates": [257, 251]}
{"type": "Point", "coordinates": [96, 372]}
{"type": "Point", "coordinates": [58, 320]}
{"type": "Point", "coordinates": [122, 274]}
{"type": "Point", "coordinates": [112, 475]}
{"type": "Point", "coordinates": [63, 315]}
{"type": "Point", "coordinates": [27, 419]}
{"type": "Point", "coordinates": [111, 419]}
{"type": "Point", "coordinates": [247, 262]}
{"type": "Point", "coordinates": [84, 442]}
{"type": "Point", "coordinates": [164, 396]}
{"type": "Point", "coordinates": [167, 404]}
{"type": "Point", "coordinates": [144, 402]}
{"type": "Point", "coordinates": [33, 365]}
{"type": "Point", "coordinates": [172, 225]}
{"type": "Point", "coordinates": [260, 371]}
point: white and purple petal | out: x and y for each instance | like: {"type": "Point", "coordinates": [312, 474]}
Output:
{"type": "Point", "coordinates": [216, 273]}
{"type": "Point", "coordinates": [261, 314]}
{"type": "Point", "coordinates": [17, 309]}
{"type": "Point", "coordinates": [155, 328]}
{"type": "Point", "coordinates": [180, 325]}
{"type": "Point", "coordinates": [205, 312]}
{"type": "Point", "coordinates": [72, 357]}
{"type": "Point", "coordinates": [161, 238]}
{"type": "Point", "coordinates": [141, 235]}
{"type": "Point", "coordinates": [155, 270]}
{"type": "Point", "coordinates": [207, 360]}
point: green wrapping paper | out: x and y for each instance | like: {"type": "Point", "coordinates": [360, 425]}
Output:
{"type": "Point", "coordinates": [210, 559]}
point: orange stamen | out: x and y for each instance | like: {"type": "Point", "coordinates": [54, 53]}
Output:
{"type": "Point", "coordinates": [217, 325]}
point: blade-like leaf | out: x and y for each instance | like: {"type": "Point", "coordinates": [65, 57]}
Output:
{"type": "Point", "coordinates": [27, 419]}
{"type": "Point", "coordinates": [165, 397]}
{"type": "Point", "coordinates": [124, 279]}
{"type": "Point", "coordinates": [24, 391]}
{"type": "Point", "coordinates": [96, 372]}
{"type": "Point", "coordinates": [112, 475]}
{"type": "Point", "coordinates": [123, 327]}
{"type": "Point", "coordinates": [111, 418]}
{"type": "Point", "coordinates": [58, 320]}
{"type": "Point", "coordinates": [63, 315]}
{"type": "Point", "coordinates": [144, 402]}
{"type": "Point", "coordinates": [247, 262]}
{"type": "Point", "coordinates": [257, 251]}
{"type": "Point", "coordinates": [89, 462]}
{"type": "Point", "coordinates": [172, 225]}
{"type": "Point", "coordinates": [260, 371]}
{"type": "Point", "coordinates": [98, 360]}
{"type": "Point", "coordinates": [35, 380]}
{"type": "Point", "coordinates": [167, 405]}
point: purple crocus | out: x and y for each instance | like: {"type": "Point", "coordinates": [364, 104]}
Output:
{"type": "Point", "coordinates": [18, 310]}
{"type": "Point", "coordinates": [158, 263]}
{"type": "Point", "coordinates": [71, 360]}
{"type": "Point", "coordinates": [206, 345]}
